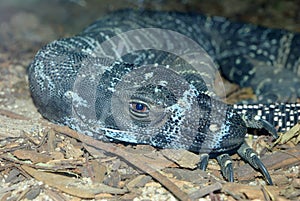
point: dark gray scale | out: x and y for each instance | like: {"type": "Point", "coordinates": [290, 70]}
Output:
{"type": "Point", "coordinates": [117, 87]}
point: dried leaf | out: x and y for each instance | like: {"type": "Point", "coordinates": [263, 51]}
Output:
{"type": "Point", "coordinates": [99, 171]}
{"type": "Point", "coordinates": [292, 133]}
{"type": "Point", "coordinates": [76, 187]}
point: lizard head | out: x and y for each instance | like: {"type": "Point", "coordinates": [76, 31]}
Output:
{"type": "Point", "coordinates": [166, 106]}
{"type": "Point", "coordinates": [163, 101]}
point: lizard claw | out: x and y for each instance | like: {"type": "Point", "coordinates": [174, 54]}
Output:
{"type": "Point", "coordinates": [257, 122]}
{"type": "Point", "coordinates": [269, 127]}
{"type": "Point", "coordinates": [203, 162]}
{"type": "Point", "coordinates": [263, 169]}
{"type": "Point", "coordinates": [251, 157]}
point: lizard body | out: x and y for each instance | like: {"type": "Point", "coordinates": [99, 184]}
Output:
{"type": "Point", "coordinates": [131, 77]}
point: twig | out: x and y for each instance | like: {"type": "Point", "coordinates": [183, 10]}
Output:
{"type": "Point", "coordinates": [13, 115]}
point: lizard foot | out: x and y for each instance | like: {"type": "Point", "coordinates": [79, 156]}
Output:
{"type": "Point", "coordinates": [251, 157]}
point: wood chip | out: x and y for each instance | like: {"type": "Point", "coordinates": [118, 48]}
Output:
{"type": "Point", "coordinates": [32, 155]}
{"type": "Point", "coordinates": [139, 181]}
{"type": "Point", "coordinates": [205, 191]}
{"type": "Point", "coordinates": [183, 158]}
{"type": "Point", "coordinates": [99, 171]}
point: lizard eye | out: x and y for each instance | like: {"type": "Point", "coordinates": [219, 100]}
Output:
{"type": "Point", "coordinates": [139, 109]}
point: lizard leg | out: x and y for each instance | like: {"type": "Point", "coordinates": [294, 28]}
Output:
{"type": "Point", "coordinates": [251, 157]}
{"type": "Point", "coordinates": [226, 166]}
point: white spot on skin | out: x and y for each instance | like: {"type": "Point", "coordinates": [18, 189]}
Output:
{"type": "Point", "coordinates": [214, 127]}
{"type": "Point", "coordinates": [163, 83]}
{"type": "Point", "coordinates": [79, 101]}
{"type": "Point", "coordinates": [257, 118]}
{"type": "Point", "coordinates": [156, 90]}
{"type": "Point", "coordinates": [259, 113]}
{"type": "Point", "coordinates": [148, 75]}
{"type": "Point", "coordinates": [259, 51]}
{"type": "Point", "coordinates": [228, 162]}
{"type": "Point", "coordinates": [111, 89]}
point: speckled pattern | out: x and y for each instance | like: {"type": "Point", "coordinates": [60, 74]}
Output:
{"type": "Point", "coordinates": [98, 95]}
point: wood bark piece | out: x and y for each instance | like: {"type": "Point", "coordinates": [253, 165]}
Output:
{"type": "Point", "coordinates": [32, 155]}
{"type": "Point", "coordinates": [206, 190]}
{"type": "Point", "coordinates": [108, 147]}
{"type": "Point", "coordinates": [183, 158]}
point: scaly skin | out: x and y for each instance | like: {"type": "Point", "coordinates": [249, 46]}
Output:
{"type": "Point", "coordinates": [150, 96]}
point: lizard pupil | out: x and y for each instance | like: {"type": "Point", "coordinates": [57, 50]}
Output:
{"type": "Point", "coordinates": [139, 106]}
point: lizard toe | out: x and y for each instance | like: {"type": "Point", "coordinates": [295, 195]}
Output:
{"type": "Point", "coordinates": [251, 157]}
{"type": "Point", "coordinates": [203, 161]}
{"type": "Point", "coordinates": [226, 166]}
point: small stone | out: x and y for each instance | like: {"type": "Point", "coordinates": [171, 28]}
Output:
{"type": "Point", "coordinates": [296, 183]}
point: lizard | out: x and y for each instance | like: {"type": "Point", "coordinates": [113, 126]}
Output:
{"type": "Point", "coordinates": [139, 77]}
